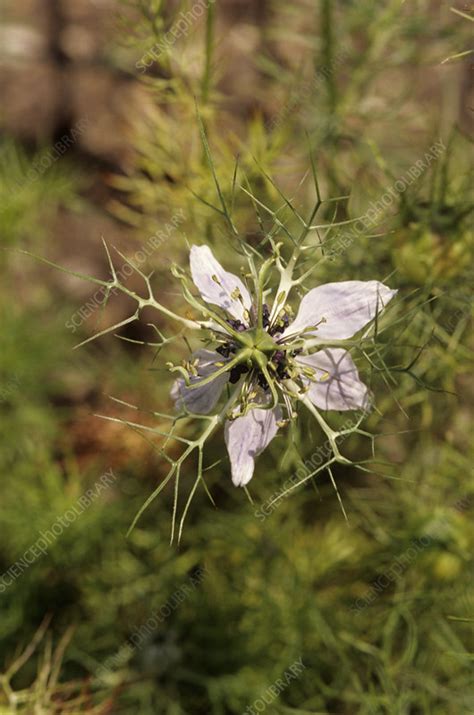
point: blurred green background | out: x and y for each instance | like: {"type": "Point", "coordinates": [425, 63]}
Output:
{"type": "Point", "coordinates": [379, 608]}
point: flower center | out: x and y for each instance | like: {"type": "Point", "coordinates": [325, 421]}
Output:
{"type": "Point", "coordinates": [257, 350]}
{"type": "Point", "coordinates": [260, 340]}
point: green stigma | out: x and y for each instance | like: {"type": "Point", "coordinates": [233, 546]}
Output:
{"type": "Point", "coordinates": [259, 345]}
{"type": "Point", "coordinates": [258, 339]}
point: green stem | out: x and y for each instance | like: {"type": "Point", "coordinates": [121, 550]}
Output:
{"type": "Point", "coordinates": [210, 27]}
{"type": "Point", "coordinates": [260, 288]}
{"type": "Point", "coordinates": [285, 285]}
{"type": "Point", "coordinates": [316, 342]}
{"type": "Point", "coordinates": [328, 54]}
{"type": "Point", "coordinates": [116, 285]}
{"type": "Point", "coordinates": [330, 433]}
{"type": "Point", "coordinates": [208, 312]}
{"type": "Point", "coordinates": [214, 422]}
{"type": "Point", "coordinates": [240, 357]}
{"type": "Point", "coordinates": [199, 444]}
{"type": "Point", "coordinates": [272, 387]}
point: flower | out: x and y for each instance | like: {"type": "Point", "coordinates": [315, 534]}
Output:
{"type": "Point", "coordinates": [273, 360]}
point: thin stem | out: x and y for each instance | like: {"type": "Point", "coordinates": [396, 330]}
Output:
{"type": "Point", "coordinates": [271, 385]}
{"type": "Point", "coordinates": [260, 288]}
{"type": "Point", "coordinates": [330, 433]}
{"type": "Point", "coordinates": [328, 54]}
{"type": "Point", "coordinates": [109, 285]}
{"type": "Point", "coordinates": [210, 28]}
{"type": "Point", "coordinates": [315, 342]}
{"type": "Point", "coordinates": [286, 283]}
{"type": "Point", "coordinates": [240, 357]}
{"type": "Point", "coordinates": [207, 311]}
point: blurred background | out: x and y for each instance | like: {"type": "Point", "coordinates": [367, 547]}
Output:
{"type": "Point", "coordinates": [288, 609]}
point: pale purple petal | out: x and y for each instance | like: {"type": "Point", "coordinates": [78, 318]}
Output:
{"type": "Point", "coordinates": [345, 306]}
{"type": "Point", "coordinates": [200, 400]}
{"type": "Point", "coordinates": [246, 437]}
{"type": "Point", "coordinates": [204, 268]}
{"type": "Point", "coordinates": [337, 385]}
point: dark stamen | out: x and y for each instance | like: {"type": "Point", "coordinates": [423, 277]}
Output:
{"type": "Point", "coordinates": [237, 372]}
{"type": "Point", "coordinates": [226, 349]}
{"type": "Point", "coordinates": [237, 325]}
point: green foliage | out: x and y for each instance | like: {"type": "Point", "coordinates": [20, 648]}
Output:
{"type": "Point", "coordinates": [31, 194]}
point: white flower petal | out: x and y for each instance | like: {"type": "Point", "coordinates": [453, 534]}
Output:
{"type": "Point", "coordinates": [200, 400]}
{"type": "Point", "coordinates": [338, 386]}
{"type": "Point", "coordinates": [346, 307]}
{"type": "Point", "coordinates": [246, 437]}
{"type": "Point", "coordinates": [203, 268]}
